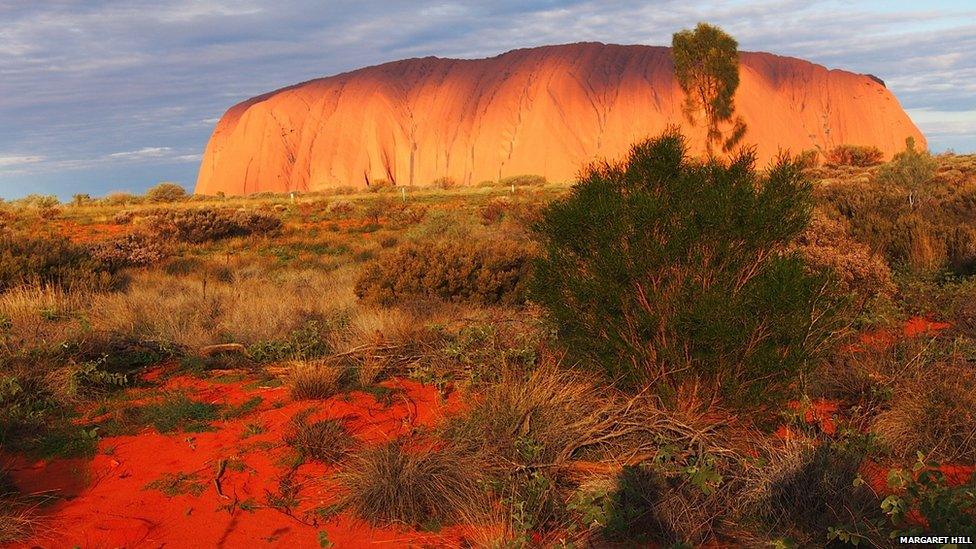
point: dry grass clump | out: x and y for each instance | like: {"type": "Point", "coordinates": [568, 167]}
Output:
{"type": "Point", "coordinates": [315, 380]}
{"type": "Point", "coordinates": [546, 416]}
{"type": "Point", "coordinates": [806, 489]}
{"type": "Point", "coordinates": [131, 250]}
{"type": "Point", "coordinates": [428, 485]}
{"type": "Point", "coordinates": [481, 272]}
{"type": "Point", "coordinates": [208, 224]}
{"type": "Point", "coordinates": [247, 304]}
{"type": "Point", "coordinates": [933, 412]}
{"type": "Point", "coordinates": [327, 441]}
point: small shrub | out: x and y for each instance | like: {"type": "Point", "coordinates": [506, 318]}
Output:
{"type": "Point", "coordinates": [208, 224]}
{"type": "Point", "coordinates": [444, 183]}
{"type": "Point", "coordinates": [825, 246]}
{"type": "Point", "coordinates": [123, 217]}
{"type": "Point", "coordinates": [47, 260]}
{"type": "Point", "coordinates": [315, 380]}
{"type": "Point", "coordinates": [523, 181]}
{"type": "Point", "coordinates": [166, 192]}
{"type": "Point", "coordinates": [380, 185]}
{"type": "Point", "coordinates": [121, 199]}
{"type": "Point", "coordinates": [426, 486]}
{"type": "Point", "coordinates": [482, 272]}
{"type": "Point", "coordinates": [340, 207]}
{"type": "Point", "coordinates": [131, 250]}
{"type": "Point", "coordinates": [854, 155]}
{"type": "Point", "coordinates": [668, 271]}
{"type": "Point", "coordinates": [909, 169]}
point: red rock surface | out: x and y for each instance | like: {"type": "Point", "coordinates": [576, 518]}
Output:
{"type": "Point", "coordinates": [543, 111]}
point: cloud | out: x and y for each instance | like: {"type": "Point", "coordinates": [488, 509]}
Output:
{"type": "Point", "coordinates": [78, 80]}
{"type": "Point", "coordinates": [14, 161]}
{"type": "Point", "coordinates": [145, 152]}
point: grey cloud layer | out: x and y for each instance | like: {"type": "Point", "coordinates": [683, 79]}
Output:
{"type": "Point", "coordinates": [93, 89]}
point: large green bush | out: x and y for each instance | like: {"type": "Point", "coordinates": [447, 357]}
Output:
{"type": "Point", "coordinates": [667, 271]}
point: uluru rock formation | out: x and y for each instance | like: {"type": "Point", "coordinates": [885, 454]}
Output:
{"type": "Point", "coordinates": [544, 111]}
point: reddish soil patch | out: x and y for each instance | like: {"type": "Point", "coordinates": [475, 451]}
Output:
{"type": "Point", "coordinates": [885, 338]}
{"type": "Point", "coordinates": [117, 499]}
{"type": "Point", "coordinates": [86, 234]}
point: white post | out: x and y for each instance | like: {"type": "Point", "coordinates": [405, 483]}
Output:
{"type": "Point", "coordinates": [403, 193]}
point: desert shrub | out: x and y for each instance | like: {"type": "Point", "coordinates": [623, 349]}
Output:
{"type": "Point", "coordinates": [909, 169]}
{"type": "Point", "coordinates": [327, 441]}
{"type": "Point", "coordinates": [166, 192]}
{"type": "Point", "coordinates": [380, 185]}
{"type": "Point", "coordinates": [445, 183]}
{"type": "Point", "coordinates": [81, 199]}
{"type": "Point", "coordinates": [809, 158]}
{"type": "Point", "coordinates": [130, 250]}
{"type": "Point", "coordinates": [315, 380]}
{"type": "Point", "coordinates": [825, 246]}
{"type": "Point", "coordinates": [408, 214]}
{"type": "Point", "coordinates": [664, 270]}
{"type": "Point", "coordinates": [854, 155]}
{"type": "Point", "coordinates": [486, 272]}
{"type": "Point", "coordinates": [340, 207]}
{"type": "Point", "coordinates": [47, 260]}
{"type": "Point", "coordinates": [209, 224]}
{"type": "Point", "coordinates": [121, 199]}
{"type": "Point", "coordinates": [123, 217]}
{"type": "Point", "coordinates": [38, 201]}
{"type": "Point", "coordinates": [523, 181]}
{"type": "Point", "coordinates": [426, 486]}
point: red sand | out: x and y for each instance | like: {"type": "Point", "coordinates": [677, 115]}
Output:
{"type": "Point", "coordinates": [885, 338]}
{"type": "Point", "coordinates": [105, 502]}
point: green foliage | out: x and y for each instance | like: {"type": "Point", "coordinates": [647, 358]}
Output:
{"type": "Point", "coordinates": [663, 270]}
{"type": "Point", "coordinates": [706, 64]}
{"type": "Point", "coordinates": [945, 507]}
{"type": "Point", "coordinates": [166, 192]}
{"type": "Point", "coordinates": [909, 169]}
{"type": "Point", "coordinates": [52, 260]}
{"type": "Point", "coordinates": [926, 231]}
{"type": "Point", "coordinates": [854, 155]}
{"type": "Point", "coordinates": [175, 413]}
{"type": "Point", "coordinates": [486, 272]}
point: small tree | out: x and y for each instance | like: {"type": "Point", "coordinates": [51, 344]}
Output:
{"type": "Point", "coordinates": [909, 169]}
{"type": "Point", "coordinates": [667, 271]}
{"type": "Point", "coordinates": [166, 192]}
{"type": "Point", "coordinates": [706, 64]}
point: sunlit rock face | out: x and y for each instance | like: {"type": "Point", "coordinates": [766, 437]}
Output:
{"type": "Point", "coordinates": [546, 111]}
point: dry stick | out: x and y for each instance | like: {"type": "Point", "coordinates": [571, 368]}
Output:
{"type": "Point", "coordinates": [220, 473]}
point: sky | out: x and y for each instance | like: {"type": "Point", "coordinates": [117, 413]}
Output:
{"type": "Point", "coordinates": [98, 96]}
